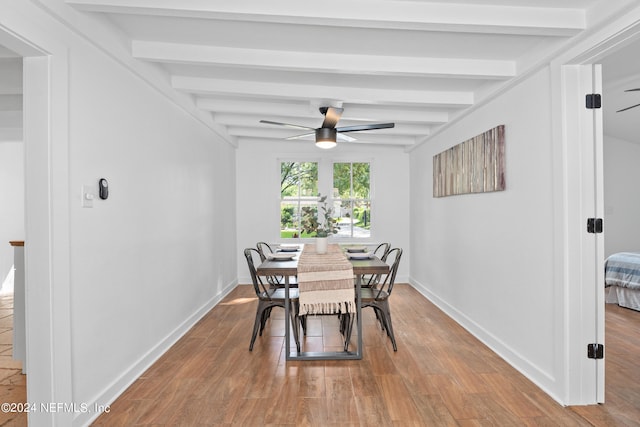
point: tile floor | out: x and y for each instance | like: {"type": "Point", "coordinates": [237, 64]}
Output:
{"type": "Point", "coordinates": [13, 384]}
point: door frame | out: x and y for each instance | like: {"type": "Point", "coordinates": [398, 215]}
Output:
{"type": "Point", "coordinates": [580, 196]}
{"type": "Point", "coordinates": [583, 136]}
{"type": "Point", "coordinates": [47, 218]}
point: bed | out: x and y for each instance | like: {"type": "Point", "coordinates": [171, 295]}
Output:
{"type": "Point", "coordinates": [622, 279]}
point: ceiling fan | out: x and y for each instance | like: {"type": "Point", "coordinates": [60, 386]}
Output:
{"type": "Point", "coordinates": [328, 134]}
{"type": "Point", "coordinates": [633, 106]}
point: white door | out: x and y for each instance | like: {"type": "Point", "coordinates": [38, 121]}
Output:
{"type": "Point", "coordinates": [594, 203]}
{"type": "Point", "coordinates": [585, 249]}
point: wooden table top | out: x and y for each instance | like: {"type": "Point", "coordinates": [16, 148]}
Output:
{"type": "Point", "coordinates": [290, 267]}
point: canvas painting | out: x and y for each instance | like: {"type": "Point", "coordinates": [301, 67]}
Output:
{"type": "Point", "coordinates": [476, 165]}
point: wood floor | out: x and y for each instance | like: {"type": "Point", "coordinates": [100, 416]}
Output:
{"type": "Point", "coordinates": [12, 382]}
{"type": "Point", "coordinates": [440, 376]}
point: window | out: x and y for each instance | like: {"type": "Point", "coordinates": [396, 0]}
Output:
{"type": "Point", "coordinates": [352, 199]}
{"type": "Point", "coordinates": [298, 188]}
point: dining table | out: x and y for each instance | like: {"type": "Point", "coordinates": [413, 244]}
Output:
{"type": "Point", "coordinates": [287, 267]}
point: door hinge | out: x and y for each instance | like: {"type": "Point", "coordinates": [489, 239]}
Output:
{"type": "Point", "coordinates": [595, 351]}
{"type": "Point", "coordinates": [594, 100]}
{"type": "Point", "coordinates": [594, 225]}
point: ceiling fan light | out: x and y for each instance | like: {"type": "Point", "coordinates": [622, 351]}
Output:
{"type": "Point", "coordinates": [326, 138]}
{"type": "Point", "coordinates": [325, 144]}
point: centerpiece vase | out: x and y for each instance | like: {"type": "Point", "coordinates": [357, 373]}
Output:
{"type": "Point", "coordinates": [321, 245]}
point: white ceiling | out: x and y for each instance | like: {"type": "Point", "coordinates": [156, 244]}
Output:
{"type": "Point", "coordinates": [10, 96]}
{"type": "Point", "coordinates": [420, 64]}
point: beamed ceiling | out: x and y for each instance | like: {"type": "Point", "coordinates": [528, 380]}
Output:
{"type": "Point", "coordinates": [420, 64]}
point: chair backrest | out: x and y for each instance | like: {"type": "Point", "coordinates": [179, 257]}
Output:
{"type": "Point", "coordinates": [393, 256]}
{"type": "Point", "coordinates": [382, 251]}
{"type": "Point", "coordinates": [264, 249]}
{"type": "Point", "coordinates": [258, 285]}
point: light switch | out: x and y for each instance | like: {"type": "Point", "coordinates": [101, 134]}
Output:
{"type": "Point", "coordinates": [88, 194]}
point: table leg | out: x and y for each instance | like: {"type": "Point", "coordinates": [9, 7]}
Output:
{"type": "Point", "coordinates": [359, 313]}
{"type": "Point", "coordinates": [287, 317]}
{"type": "Point", "coordinates": [327, 355]}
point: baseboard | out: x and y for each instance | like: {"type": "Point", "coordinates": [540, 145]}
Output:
{"type": "Point", "coordinates": [536, 375]}
{"type": "Point", "coordinates": [118, 386]}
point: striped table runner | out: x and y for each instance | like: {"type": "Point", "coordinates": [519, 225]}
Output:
{"type": "Point", "coordinates": [325, 282]}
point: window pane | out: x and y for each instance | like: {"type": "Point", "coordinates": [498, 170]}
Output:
{"type": "Point", "coordinates": [351, 182]}
{"type": "Point", "coordinates": [298, 188]}
{"type": "Point", "coordinates": [289, 219]}
{"type": "Point", "coordinates": [341, 180]}
{"type": "Point", "coordinates": [343, 211]}
{"type": "Point", "coordinates": [308, 179]}
{"type": "Point", "coordinates": [362, 219]}
{"type": "Point", "coordinates": [298, 179]}
{"type": "Point", "coordinates": [360, 180]}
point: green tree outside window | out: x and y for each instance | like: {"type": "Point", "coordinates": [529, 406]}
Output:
{"type": "Point", "coordinates": [298, 190]}
{"type": "Point", "coordinates": [352, 198]}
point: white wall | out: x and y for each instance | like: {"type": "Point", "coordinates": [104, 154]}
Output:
{"type": "Point", "coordinates": [258, 192]}
{"type": "Point", "coordinates": [144, 264]}
{"type": "Point", "coordinates": [11, 202]}
{"type": "Point", "coordinates": [152, 256]}
{"type": "Point", "coordinates": [622, 204]}
{"type": "Point", "coordinates": [488, 259]}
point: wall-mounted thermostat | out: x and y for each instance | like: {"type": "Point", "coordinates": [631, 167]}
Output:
{"type": "Point", "coordinates": [103, 187]}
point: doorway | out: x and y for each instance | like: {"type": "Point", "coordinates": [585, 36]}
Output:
{"type": "Point", "coordinates": [587, 72]}
{"type": "Point", "coordinates": [45, 102]}
{"type": "Point", "coordinates": [12, 201]}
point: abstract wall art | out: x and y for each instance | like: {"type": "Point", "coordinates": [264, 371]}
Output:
{"type": "Point", "coordinates": [476, 165]}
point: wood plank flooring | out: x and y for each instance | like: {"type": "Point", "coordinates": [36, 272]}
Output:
{"type": "Point", "coordinates": [440, 376]}
{"type": "Point", "coordinates": [13, 385]}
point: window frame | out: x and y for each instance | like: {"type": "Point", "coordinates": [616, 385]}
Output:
{"type": "Point", "coordinates": [352, 200]}
{"type": "Point", "coordinates": [325, 187]}
{"type": "Point", "coordinates": [299, 200]}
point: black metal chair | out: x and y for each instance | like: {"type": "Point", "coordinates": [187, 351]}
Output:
{"type": "Point", "coordinates": [377, 296]}
{"type": "Point", "coordinates": [264, 249]}
{"type": "Point", "coordinates": [381, 251]}
{"type": "Point", "coordinates": [269, 297]}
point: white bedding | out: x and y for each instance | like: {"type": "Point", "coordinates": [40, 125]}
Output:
{"type": "Point", "coordinates": [624, 297]}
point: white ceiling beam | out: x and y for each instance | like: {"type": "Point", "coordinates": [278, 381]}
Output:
{"type": "Point", "coordinates": [261, 107]}
{"type": "Point", "coordinates": [10, 102]}
{"type": "Point", "coordinates": [11, 134]}
{"type": "Point", "coordinates": [353, 112]}
{"type": "Point", "coordinates": [10, 119]}
{"type": "Point", "coordinates": [264, 131]}
{"type": "Point", "coordinates": [323, 62]}
{"type": "Point", "coordinates": [374, 135]}
{"type": "Point", "coordinates": [243, 122]}
{"type": "Point", "coordinates": [347, 94]}
{"type": "Point", "coordinates": [259, 133]}
{"type": "Point", "coordinates": [393, 141]}
{"type": "Point", "coordinates": [406, 15]}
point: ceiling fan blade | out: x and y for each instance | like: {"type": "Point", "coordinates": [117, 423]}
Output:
{"type": "Point", "coordinates": [305, 135]}
{"type": "Point", "coordinates": [365, 127]}
{"type": "Point", "coordinates": [633, 90]}
{"type": "Point", "coordinates": [331, 117]}
{"type": "Point", "coordinates": [344, 138]}
{"type": "Point", "coordinates": [628, 108]}
{"type": "Point", "coordinates": [269, 122]}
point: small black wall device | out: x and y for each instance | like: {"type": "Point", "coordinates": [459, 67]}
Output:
{"type": "Point", "coordinates": [104, 188]}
